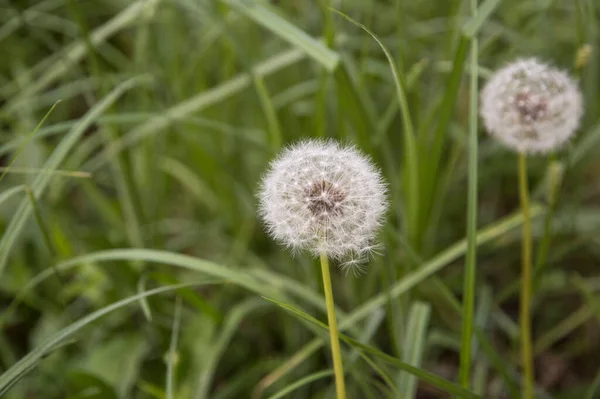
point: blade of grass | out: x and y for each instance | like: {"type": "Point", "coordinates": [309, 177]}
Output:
{"type": "Point", "coordinates": [412, 78]}
{"type": "Point", "coordinates": [230, 327]}
{"type": "Point", "coordinates": [443, 115]}
{"type": "Point", "coordinates": [260, 14]}
{"type": "Point", "coordinates": [172, 356]}
{"type": "Point", "coordinates": [27, 139]}
{"type": "Point", "coordinates": [411, 165]}
{"type": "Point", "coordinates": [355, 104]}
{"type": "Point", "coordinates": [11, 191]}
{"type": "Point", "coordinates": [554, 179]}
{"type": "Point", "coordinates": [585, 146]}
{"type": "Point", "coordinates": [240, 384]}
{"type": "Point", "coordinates": [141, 287]}
{"type": "Point", "coordinates": [294, 93]}
{"type": "Point", "coordinates": [33, 171]}
{"type": "Point", "coordinates": [201, 191]}
{"type": "Point", "coordinates": [301, 382]}
{"type": "Point", "coordinates": [62, 150]}
{"type": "Point", "coordinates": [292, 286]}
{"type": "Point", "coordinates": [266, 103]}
{"type": "Point", "coordinates": [483, 313]}
{"type": "Point", "coordinates": [191, 297]}
{"type": "Point", "coordinates": [371, 326]}
{"type": "Point", "coordinates": [103, 205]}
{"type": "Point", "coordinates": [414, 347]}
{"type": "Point", "coordinates": [125, 191]}
{"type": "Point", "coordinates": [473, 24]}
{"type": "Point", "coordinates": [469, 283]}
{"type": "Point", "coordinates": [382, 374]}
{"type": "Point", "coordinates": [592, 301]}
{"type": "Point", "coordinates": [289, 365]}
{"type": "Point", "coordinates": [562, 329]}
{"type": "Point", "coordinates": [498, 363]}
{"type": "Point", "coordinates": [37, 214]}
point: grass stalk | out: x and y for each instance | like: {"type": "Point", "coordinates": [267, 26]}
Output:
{"type": "Point", "coordinates": [37, 214]}
{"type": "Point", "coordinates": [336, 352]}
{"type": "Point", "coordinates": [172, 356]}
{"type": "Point", "coordinates": [24, 144]}
{"type": "Point", "coordinates": [471, 259]}
{"type": "Point", "coordinates": [40, 221]}
{"type": "Point", "coordinates": [526, 275]}
{"type": "Point", "coordinates": [555, 177]}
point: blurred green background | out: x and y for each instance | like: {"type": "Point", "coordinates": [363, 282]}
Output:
{"type": "Point", "coordinates": [144, 175]}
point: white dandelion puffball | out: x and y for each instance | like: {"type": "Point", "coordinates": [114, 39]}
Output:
{"type": "Point", "coordinates": [531, 107]}
{"type": "Point", "coordinates": [322, 197]}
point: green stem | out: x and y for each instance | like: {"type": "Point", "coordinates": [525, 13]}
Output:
{"type": "Point", "coordinates": [471, 260]}
{"type": "Point", "coordinates": [526, 275]}
{"type": "Point", "coordinates": [40, 221]}
{"type": "Point", "coordinates": [555, 177]}
{"type": "Point", "coordinates": [336, 353]}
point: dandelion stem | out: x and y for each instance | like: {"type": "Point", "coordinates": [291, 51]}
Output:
{"type": "Point", "coordinates": [336, 353]}
{"type": "Point", "coordinates": [525, 310]}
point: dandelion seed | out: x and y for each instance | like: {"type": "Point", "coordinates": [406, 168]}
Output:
{"type": "Point", "coordinates": [321, 197]}
{"type": "Point", "coordinates": [356, 266]}
{"type": "Point", "coordinates": [531, 107]}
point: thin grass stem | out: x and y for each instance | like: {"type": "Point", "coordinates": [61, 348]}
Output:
{"type": "Point", "coordinates": [471, 260]}
{"type": "Point", "coordinates": [172, 359]}
{"type": "Point", "coordinates": [62, 283]}
{"type": "Point", "coordinates": [40, 221]}
{"type": "Point", "coordinates": [336, 353]}
{"type": "Point", "coordinates": [526, 276]}
{"type": "Point", "coordinates": [29, 136]}
{"type": "Point", "coordinates": [555, 180]}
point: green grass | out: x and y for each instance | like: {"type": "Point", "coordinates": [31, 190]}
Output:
{"type": "Point", "coordinates": [132, 261]}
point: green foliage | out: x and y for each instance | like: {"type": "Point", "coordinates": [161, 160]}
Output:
{"type": "Point", "coordinates": [132, 261]}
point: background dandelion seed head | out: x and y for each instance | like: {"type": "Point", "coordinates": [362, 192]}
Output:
{"type": "Point", "coordinates": [531, 107]}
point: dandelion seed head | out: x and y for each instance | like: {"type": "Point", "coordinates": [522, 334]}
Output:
{"type": "Point", "coordinates": [322, 197]}
{"type": "Point", "coordinates": [531, 107]}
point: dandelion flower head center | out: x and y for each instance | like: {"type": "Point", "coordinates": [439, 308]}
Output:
{"type": "Point", "coordinates": [325, 199]}
{"type": "Point", "coordinates": [531, 108]}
